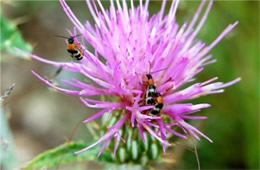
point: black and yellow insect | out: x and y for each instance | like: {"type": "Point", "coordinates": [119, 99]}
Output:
{"type": "Point", "coordinates": [158, 105]}
{"type": "Point", "coordinates": [152, 97]}
{"type": "Point", "coordinates": [74, 49]}
{"type": "Point", "coordinates": [150, 91]}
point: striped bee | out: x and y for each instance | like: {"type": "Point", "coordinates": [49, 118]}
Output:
{"type": "Point", "coordinates": [152, 97]}
{"type": "Point", "coordinates": [75, 50]}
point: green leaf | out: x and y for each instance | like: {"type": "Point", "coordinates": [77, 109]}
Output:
{"type": "Point", "coordinates": [11, 38]}
{"type": "Point", "coordinates": [63, 154]}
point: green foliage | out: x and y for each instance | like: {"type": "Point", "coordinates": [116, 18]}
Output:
{"type": "Point", "coordinates": [233, 119]}
{"type": "Point", "coordinates": [11, 38]}
{"type": "Point", "coordinates": [64, 154]}
{"type": "Point", "coordinates": [7, 160]}
{"type": "Point", "coordinates": [134, 150]}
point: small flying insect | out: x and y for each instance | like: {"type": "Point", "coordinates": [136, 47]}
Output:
{"type": "Point", "coordinates": [151, 88]}
{"type": "Point", "coordinates": [152, 97]}
{"type": "Point", "coordinates": [74, 48]}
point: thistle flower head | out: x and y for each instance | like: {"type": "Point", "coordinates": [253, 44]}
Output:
{"type": "Point", "coordinates": [130, 44]}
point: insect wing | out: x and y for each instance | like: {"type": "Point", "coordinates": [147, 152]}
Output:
{"type": "Point", "coordinates": [78, 46]}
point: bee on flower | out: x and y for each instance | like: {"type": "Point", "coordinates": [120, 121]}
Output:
{"type": "Point", "coordinates": [73, 48]}
{"type": "Point", "coordinates": [132, 41]}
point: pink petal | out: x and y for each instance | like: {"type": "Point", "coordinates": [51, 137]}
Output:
{"type": "Point", "coordinates": [72, 92]}
{"type": "Point", "coordinates": [96, 115]}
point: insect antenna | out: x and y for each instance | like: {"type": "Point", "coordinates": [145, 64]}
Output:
{"type": "Point", "coordinates": [76, 35]}
{"type": "Point", "coordinates": [158, 71]}
{"type": "Point", "coordinates": [149, 71]}
{"type": "Point", "coordinates": [60, 36]}
{"type": "Point", "coordinates": [154, 71]}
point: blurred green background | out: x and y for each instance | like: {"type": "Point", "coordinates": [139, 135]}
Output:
{"type": "Point", "coordinates": [38, 121]}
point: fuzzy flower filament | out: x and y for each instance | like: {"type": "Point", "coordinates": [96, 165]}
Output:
{"type": "Point", "coordinates": [132, 44]}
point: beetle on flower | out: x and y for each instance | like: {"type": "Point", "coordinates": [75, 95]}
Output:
{"type": "Point", "coordinates": [131, 41]}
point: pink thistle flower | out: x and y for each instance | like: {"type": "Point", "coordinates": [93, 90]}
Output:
{"type": "Point", "coordinates": [132, 42]}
